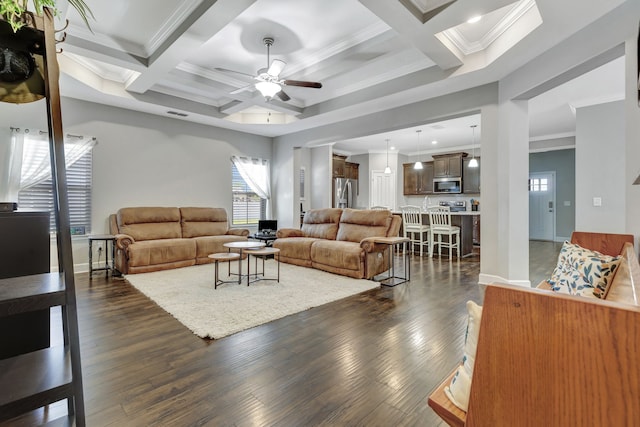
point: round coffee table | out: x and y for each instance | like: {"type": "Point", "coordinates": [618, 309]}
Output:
{"type": "Point", "coordinates": [241, 246]}
{"type": "Point", "coordinates": [223, 256]}
{"type": "Point", "coordinates": [264, 253]}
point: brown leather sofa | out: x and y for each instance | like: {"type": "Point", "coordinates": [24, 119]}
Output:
{"type": "Point", "coordinates": [340, 241]}
{"type": "Point", "coordinates": [161, 238]}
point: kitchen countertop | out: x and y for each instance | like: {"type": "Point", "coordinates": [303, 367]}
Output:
{"type": "Point", "coordinates": [465, 213]}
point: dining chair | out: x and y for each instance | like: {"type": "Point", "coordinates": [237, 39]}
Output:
{"type": "Point", "coordinates": [440, 225]}
{"type": "Point", "coordinates": [413, 227]}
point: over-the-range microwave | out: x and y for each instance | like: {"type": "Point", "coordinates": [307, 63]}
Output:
{"type": "Point", "coordinates": [450, 185]}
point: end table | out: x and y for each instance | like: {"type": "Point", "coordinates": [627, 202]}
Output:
{"type": "Point", "coordinates": [109, 240]}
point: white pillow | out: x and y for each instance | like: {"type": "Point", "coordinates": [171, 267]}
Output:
{"type": "Point", "coordinates": [459, 389]}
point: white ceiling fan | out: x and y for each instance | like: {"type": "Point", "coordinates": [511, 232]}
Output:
{"type": "Point", "coordinates": [269, 83]}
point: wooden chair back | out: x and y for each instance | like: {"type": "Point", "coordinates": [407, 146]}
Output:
{"type": "Point", "coordinates": [605, 243]}
{"type": "Point", "coordinates": [411, 216]}
{"type": "Point", "coordinates": [440, 218]}
{"type": "Point", "coordinates": [552, 360]}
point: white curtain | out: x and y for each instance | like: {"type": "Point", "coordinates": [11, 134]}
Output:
{"type": "Point", "coordinates": [256, 174]}
{"type": "Point", "coordinates": [11, 166]}
{"type": "Point", "coordinates": [28, 160]}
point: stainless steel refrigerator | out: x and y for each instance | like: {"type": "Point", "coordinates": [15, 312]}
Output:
{"type": "Point", "coordinates": [344, 190]}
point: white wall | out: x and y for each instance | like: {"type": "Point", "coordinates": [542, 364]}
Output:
{"type": "Point", "coordinates": [632, 137]}
{"type": "Point", "coordinates": [143, 159]}
{"type": "Point", "coordinates": [364, 179]}
{"type": "Point", "coordinates": [321, 183]}
{"type": "Point", "coordinates": [600, 172]}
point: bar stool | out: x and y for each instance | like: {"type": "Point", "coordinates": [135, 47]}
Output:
{"type": "Point", "coordinates": [440, 223]}
{"type": "Point", "coordinates": [413, 227]}
{"type": "Point", "coordinates": [223, 256]}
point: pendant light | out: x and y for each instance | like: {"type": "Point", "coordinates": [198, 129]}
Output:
{"type": "Point", "coordinates": [387, 170]}
{"type": "Point", "coordinates": [418, 164]}
{"type": "Point", "coordinates": [473, 163]}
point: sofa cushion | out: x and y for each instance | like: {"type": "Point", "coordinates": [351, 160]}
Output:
{"type": "Point", "coordinates": [162, 251]}
{"type": "Point", "coordinates": [358, 224]}
{"type": "Point", "coordinates": [321, 223]}
{"type": "Point", "coordinates": [339, 254]}
{"type": "Point", "coordinates": [583, 272]}
{"type": "Point", "coordinates": [198, 222]}
{"type": "Point", "coordinates": [295, 247]}
{"type": "Point", "coordinates": [207, 245]}
{"type": "Point", "coordinates": [149, 223]}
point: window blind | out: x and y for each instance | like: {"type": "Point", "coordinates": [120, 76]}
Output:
{"type": "Point", "coordinates": [247, 206]}
{"type": "Point", "coordinates": [79, 180]}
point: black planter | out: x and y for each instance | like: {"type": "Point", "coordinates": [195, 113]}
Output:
{"type": "Point", "coordinates": [21, 65]}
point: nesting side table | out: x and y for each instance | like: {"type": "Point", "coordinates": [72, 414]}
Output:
{"type": "Point", "coordinates": [394, 243]}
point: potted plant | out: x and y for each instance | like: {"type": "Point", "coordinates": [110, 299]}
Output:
{"type": "Point", "coordinates": [16, 12]}
{"type": "Point", "coordinates": [21, 77]}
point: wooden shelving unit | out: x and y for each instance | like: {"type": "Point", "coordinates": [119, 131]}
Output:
{"type": "Point", "coordinates": [33, 380]}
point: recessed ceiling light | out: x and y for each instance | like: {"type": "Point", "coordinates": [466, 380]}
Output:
{"type": "Point", "coordinates": [434, 142]}
{"type": "Point", "coordinates": [474, 19]}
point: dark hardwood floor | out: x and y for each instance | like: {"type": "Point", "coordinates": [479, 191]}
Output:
{"type": "Point", "coordinates": [367, 360]}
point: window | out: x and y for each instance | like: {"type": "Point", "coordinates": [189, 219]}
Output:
{"type": "Point", "coordinates": [537, 185]}
{"type": "Point", "coordinates": [39, 194]}
{"type": "Point", "coordinates": [247, 207]}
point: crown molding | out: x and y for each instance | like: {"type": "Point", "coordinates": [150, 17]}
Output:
{"type": "Point", "coordinates": [468, 47]}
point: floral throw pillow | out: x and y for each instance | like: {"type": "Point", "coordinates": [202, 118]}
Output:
{"type": "Point", "coordinates": [583, 272]}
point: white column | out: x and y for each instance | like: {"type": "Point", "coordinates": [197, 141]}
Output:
{"type": "Point", "coordinates": [505, 199]}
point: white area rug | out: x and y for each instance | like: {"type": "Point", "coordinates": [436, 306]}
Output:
{"type": "Point", "coordinates": [188, 295]}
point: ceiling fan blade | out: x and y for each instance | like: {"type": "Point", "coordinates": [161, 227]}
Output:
{"type": "Point", "coordinates": [315, 85]}
{"type": "Point", "coordinates": [276, 67]}
{"type": "Point", "coordinates": [243, 89]}
{"type": "Point", "coordinates": [225, 70]}
{"type": "Point", "coordinates": [283, 96]}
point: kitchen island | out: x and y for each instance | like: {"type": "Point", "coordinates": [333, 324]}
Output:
{"type": "Point", "coordinates": [464, 220]}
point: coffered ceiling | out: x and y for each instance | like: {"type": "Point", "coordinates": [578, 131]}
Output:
{"type": "Point", "coordinates": [169, 57]}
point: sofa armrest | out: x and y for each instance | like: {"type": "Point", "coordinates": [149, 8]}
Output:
{"type": "Point", "coordinates": [123, 241]}
{"type": "Point", "coordinates": [238, 232]}
{"type": "Point", "coordinates": [369, 245]}
{"type": "Point", "coordinates": [289, 232]}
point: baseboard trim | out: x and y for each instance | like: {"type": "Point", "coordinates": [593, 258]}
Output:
{"type": "Point", "coordinates": [77, 268]}
{"type": "Point", "coordinates": [485, 279]}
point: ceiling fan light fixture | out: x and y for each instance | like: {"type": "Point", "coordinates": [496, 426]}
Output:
{"type": "Point", "coordinates": [268, 89]}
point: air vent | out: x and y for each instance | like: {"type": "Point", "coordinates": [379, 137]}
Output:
{"type": "Point", "coordinates": [177, 113]}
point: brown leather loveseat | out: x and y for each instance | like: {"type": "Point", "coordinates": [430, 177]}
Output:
{"type": "Point", "coordinates": [160, 238]}
{"type": "Point", "coordinates": [340, 241]}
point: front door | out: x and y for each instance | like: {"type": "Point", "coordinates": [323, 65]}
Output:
{"type": "Point", "coordinates": [542, 212]}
